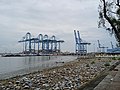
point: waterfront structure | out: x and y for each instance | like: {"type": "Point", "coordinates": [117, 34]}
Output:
{"type": "Point", "coordinates": [114, 50]}
{"type": "Point", "coordinates": [44, 44]}
{"type": "Point", "coordinates": [101, 48]}
{"type": "Point", "coordinates": [80, 45]}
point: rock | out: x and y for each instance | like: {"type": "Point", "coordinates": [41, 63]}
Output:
{"type": "Point", "coordinates": [46, 85]}
{"type": "Point", "coordinates": [9, 83]}
{"type": "Point", "coordinates": [111, 79]}
{"type": "Point", "coordinates": [18, 87]}
{"type": "Point", "coordinates": [54, 71]}
{"type": "Point", "coordinates": [37, 89]}
{"type": "Point", "coordinates": [7, 89]}
{"type": "Point", "coordinates": [26, 87]}
{"type": "Point", "coordinates": [57, 88]}
{"type": "Point", "coordinates": [15, 85]}
{"type": "Point", "coordinates": [66, 78]}
{"type": "Point", "coordinates": [17, 82]}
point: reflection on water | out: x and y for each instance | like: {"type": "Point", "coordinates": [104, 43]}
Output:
{"type": "Point", "coordinates": [21, 65]}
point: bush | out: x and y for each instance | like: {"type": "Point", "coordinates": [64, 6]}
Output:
{"type": "Point", "coordinates": [107, 64]}
{"type": "Point", "coordinates": [93, 62]}
{"type": "Point", "coordinates": [87, 65]}
{"type": "Point", "coordinates": [113, 58]}
{"type": "Point", "coordinates": [118, 58]}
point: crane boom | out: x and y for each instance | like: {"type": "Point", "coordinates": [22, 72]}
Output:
{"type": "Point", "coordinates": [111, 45]}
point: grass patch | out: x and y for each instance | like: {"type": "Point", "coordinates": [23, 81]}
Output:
{"type": "Point", "coordinates": [107, 64]}
{"type": "Point", "coordinates": [118, 58]}
{"type": "Point", "coordinates": [87, 65]}
{"type": "Point", "coordinates": [93, 62]}
{"type": "Point", "coordinates": [113, 58]}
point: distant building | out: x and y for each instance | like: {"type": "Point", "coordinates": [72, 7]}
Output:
{"type": "Point", "coordinates": [114, 50]}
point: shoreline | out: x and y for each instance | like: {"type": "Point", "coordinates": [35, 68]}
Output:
{"type": "Point", "coordinates": [71, 75]}
{"type": "Point", "coordinates": [30, 64]}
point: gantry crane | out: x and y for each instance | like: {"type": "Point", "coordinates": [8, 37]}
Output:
{"type": "Point", "coordinates": [102, 48]}
{"type": "Point", "coordinates": [45, 44]}
{"type": "Point", "coordinates": [80, 46]}
{"type": "Point", "coordinates": [112, 45]}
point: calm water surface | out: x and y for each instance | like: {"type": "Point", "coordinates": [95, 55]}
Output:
{"type": "Point", "coordinates": [12, 66]}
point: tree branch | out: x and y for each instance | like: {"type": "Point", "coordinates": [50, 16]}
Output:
{"type": "Point", "coordinates": [118, 3]}
{"type": "Point", "coordinates": [109, 20]}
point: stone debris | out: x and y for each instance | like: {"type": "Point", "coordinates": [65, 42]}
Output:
{"type": "Point", "coordinates": [70, 76]}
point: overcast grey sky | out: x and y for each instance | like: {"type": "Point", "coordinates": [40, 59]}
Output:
{"type": "Point", "coordinates": [52, 17]}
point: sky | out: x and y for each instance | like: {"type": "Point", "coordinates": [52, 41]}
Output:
{"type": "Point", "coordinates": [51, 17]}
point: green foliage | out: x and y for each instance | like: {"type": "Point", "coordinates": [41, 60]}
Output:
{"type": "Point", "coordinates": [118, 58]}
{"type": "Point", "coordinates": [87, 65]}
{"type": "Point", "coordinates": [109, 60]}
{"type": "Point", "coordinates": [93, 62]}
{"type": "Point", "coordinates": [107, 64]}
{"type": "Point", "coordinates": [113, 58]}
{"type": "Point", "coordinates": [99, 58]}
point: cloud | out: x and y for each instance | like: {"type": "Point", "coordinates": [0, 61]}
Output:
{"type": "Point", "coordinates": [52, 17]}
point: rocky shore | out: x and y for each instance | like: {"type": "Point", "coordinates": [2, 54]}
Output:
{"type": "Point", "coordinates": [70, 76]}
